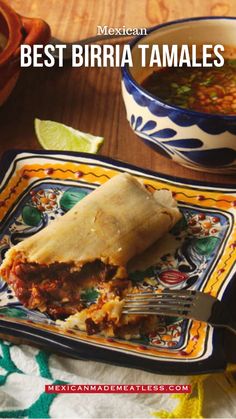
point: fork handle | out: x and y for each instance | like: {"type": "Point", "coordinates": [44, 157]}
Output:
{"type": "Point", "coordinates": [221, 317]}
{"type": "Point", "coordinates": [231, 327]}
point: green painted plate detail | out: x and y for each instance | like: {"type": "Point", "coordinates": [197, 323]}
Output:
{"type": "Point", "coordinates": [206, 245]}
{"type": "Point", "coordinates": [31, 216]}
{"type": "Point", "coordinates": [71, 197]}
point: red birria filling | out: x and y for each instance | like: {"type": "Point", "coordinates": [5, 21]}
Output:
{"type": "Point", "coordinates": [56, 288]}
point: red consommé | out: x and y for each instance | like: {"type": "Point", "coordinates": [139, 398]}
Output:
{"type": "Point", "coordinates": [211, 90]}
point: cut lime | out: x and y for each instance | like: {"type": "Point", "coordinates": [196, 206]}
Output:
{"type": "Point", "coordinates": [56, 136]}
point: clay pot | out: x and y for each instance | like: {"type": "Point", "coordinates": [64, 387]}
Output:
{"type": "Point", "coordinates": [16, 30]}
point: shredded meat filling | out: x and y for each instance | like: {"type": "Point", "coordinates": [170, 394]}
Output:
{"type": "Point", "coordinates": [56, 288]}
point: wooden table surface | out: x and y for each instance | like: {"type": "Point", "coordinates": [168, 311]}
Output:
{"type": "Point", "coordinates": [90, 99]}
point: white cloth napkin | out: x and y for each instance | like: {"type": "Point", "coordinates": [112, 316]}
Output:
{"type": "Point", "coordinates": [21, 390]}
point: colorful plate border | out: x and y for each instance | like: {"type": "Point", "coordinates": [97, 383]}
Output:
{"type": "Point", "coordinates": [215, 362]}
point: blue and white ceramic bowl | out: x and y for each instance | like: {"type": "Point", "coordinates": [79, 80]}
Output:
{"type": "Point", "coordinates": [200, 141]}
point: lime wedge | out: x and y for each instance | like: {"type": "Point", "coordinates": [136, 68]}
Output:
{"type": "Point", "coordinates": [56, 136]}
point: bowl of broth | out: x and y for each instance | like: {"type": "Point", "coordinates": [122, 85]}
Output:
{"type": "Point", "coordinates": [186, 113]}
{"type": "Point", "coordinates": [14, 31]}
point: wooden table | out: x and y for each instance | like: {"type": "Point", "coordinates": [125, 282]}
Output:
{"type": "Point", "coordinates": [90, 99]}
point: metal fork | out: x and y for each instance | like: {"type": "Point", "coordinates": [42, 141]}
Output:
{"type": "Point", "coordinates": [186, 304]}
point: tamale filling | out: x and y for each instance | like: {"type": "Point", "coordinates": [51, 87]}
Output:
{"type": "Point", "coordinates": [56, 288]}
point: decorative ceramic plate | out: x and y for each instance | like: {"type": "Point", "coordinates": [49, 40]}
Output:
{"type": "Point", "coordinates": [199, 253]}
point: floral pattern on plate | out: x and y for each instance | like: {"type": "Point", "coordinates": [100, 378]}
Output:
{"type": "Point", "coordinates": [198, 253]}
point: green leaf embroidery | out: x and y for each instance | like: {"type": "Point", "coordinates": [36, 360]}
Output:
{"type": "Point", "coordinates": [40, 408]}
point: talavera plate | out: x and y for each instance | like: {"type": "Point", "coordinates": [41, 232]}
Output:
{"type": "Point", "coordinates": [199, 253]}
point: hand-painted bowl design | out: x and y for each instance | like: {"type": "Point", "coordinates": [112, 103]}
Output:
{"type": "Point", "coordinates": [194, 139]}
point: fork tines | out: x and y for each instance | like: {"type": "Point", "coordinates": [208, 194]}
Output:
{"type": "Point", "coordinates": [166, 303]}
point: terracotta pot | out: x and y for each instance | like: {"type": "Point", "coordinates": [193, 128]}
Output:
{"type": "Point", "coordinates": [16, 30]}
